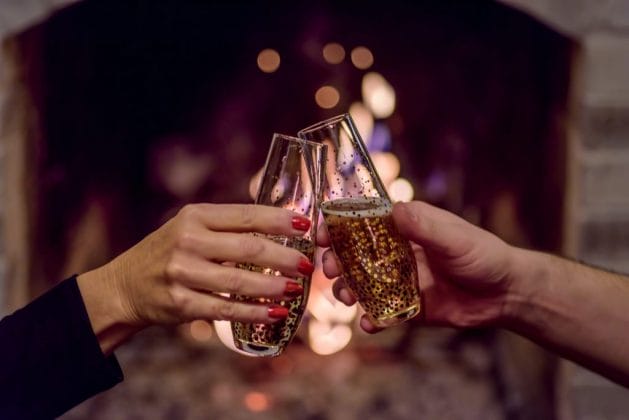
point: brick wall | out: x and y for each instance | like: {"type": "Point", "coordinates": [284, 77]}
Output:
{"type": "Point", "coordinates": [14, 16]}
{"type": "Point", "coordinates": [602, 163]}
{"type": "Point", "coordinates": [598, 201]}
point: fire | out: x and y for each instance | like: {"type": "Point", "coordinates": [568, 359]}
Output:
{"type": "Point", "coordinates": [329, 328]}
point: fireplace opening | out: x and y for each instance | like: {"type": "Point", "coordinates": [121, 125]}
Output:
{"type": "Point", "coordinates": [120, 112]}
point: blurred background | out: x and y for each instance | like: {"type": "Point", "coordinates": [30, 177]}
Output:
{"type": "Point", "coordinates": [513, 114]}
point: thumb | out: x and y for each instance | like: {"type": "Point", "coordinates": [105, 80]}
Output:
{"type": "Point", "coordinates": [434, 229]}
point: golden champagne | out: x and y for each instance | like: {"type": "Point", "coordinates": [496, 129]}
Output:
{"type": "Point", "coordinates": [378, 264]}
{"type": "Point", "coordinates": [272, 339]}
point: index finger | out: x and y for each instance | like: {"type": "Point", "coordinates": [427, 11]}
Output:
{"type": "Point", "coordinates": [249, 218]}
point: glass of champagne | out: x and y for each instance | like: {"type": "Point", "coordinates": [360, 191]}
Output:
{"type": "Point", "coordinates": [292, 179]}
{"type": "Point", "coordinates": [378, 265]}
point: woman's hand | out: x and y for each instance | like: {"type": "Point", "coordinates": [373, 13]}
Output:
{"type": "Point", "coordinates": [463, 270]}
{"type": "Point", "coordinates": [179, 273]}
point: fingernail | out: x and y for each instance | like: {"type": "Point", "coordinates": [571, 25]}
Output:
{"type": "Point", "coordinates": [293, 289]}
{"type": "Point", "coordinates": [301, 223]}
{"type": "Point", "coordinates": [305, 266]}
{"type": "Point", "coordinates": [277, 312]}
{"type": "Point", "coordinates": [345, 295]}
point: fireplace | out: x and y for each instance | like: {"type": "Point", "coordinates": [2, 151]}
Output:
{"type": "Point", "coordinates": [117, 113]}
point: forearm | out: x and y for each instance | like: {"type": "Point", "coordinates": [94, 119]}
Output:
{"type": "Point", "coordinates": [575, 310]}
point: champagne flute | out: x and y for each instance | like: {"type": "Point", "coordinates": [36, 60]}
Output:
{"type": "Point", "coordinates": [293, 179]}
{"type": "Point", "coordinates": [378, 264]}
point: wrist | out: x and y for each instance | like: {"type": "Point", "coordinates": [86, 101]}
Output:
{"type": "Point", "coordinates": [523, 276]}
{"type": "Point", "coordinates": [105, 308]}
{"type": "Point", "coordinates": [531, 298]}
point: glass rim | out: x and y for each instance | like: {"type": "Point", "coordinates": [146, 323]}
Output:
{"type": "Point", "coordinates": [297, 140]}
{"type": "Point", "coordinates": [321, 124]}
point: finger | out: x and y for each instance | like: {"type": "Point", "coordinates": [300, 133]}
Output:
{"type": "Point", "coordinates": [433, 228]}
{"type": "Point", "coordinates": [367, 326]}
{"type": "Point", "coordinates": [193, 305]}
{"type": "Point", "coordinates": [331, 266]}
{"type": "Point", "coordinates": [248, 248]}
{"type": "Point", "coordinates": [342, 292]}
{"type": "Point", "coordinates": [248, 218]}
{"type": "Point", "coordinates": [201, 275]}
{"type": "Point", "coordinates": [323, 237]}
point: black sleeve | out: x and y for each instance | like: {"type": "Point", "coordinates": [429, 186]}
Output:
{"type": "Point", "coordinates": [50, 359]}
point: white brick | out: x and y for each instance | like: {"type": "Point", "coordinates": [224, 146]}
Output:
{"type": "Point", "coordinates": [605, 181]}
{"type": "Point", "coordinates": [606, 70]}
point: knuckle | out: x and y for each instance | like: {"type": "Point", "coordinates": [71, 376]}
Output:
{"type": "Point", "coordinates": [226, 311]}
{"type": "Point", "coordinates": [179, 300]}
{"type": "Point", "coordinates": [247, 216]}
{"type": "Point", "coordinates": [234, 280]}
{"type": "Point", "coordinates": [186, 211]}
{"type": "Point", "coordinates": [251, 246]}
{"type": "Point", "coordinates": [174, 269]}
{"type": "Point", "coordinates": [189, 212]}
{"type": "Point", "coordinates": [185, 239]}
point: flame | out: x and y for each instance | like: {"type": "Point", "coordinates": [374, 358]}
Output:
{"type": "Point", "coordinates": [328, 326]}
{"type": "Point", "coordinates": [401, 190]}
{"type": "Point", "coordinates": [326, 338]}
{"type": "Point", "coordinates": [363, 119]}
{"type": "Point", "coordinates": [387, 165]}
{"type": "Point", "coordinates": [378, 95]}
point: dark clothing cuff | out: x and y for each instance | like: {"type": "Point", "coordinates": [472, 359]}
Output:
{"type": "Point", "coordinates": [50, 359]}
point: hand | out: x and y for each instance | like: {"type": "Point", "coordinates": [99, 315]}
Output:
{"type": "Point", "coordinates": [177, 273]}
{"type": "Point", "coordinates": [463, 270]}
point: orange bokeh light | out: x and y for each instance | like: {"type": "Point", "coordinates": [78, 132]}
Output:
{"type": "Point", "coordinates": [257, 401]}
{"type": "Point", "coordinates": [268, 60]}
{"type": "Point", "coordinates": [327, 97]}
{"type": "Point", "coordinates": [333, 53]}
{"type": "Point", "coordinates": [362, 58]}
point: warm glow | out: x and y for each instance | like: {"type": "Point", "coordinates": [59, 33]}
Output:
{"type": "Point", "coordinates": [254, 183]}
{"type": "Point", "coordinates": [325, 338]}
{"type": "Point", "coordinates": [362, 58]}
{"type": "Point", "coordinates": [327, 97]}
{"type": "Point", "coordinates": [387, 165]}
{"type": "Point", "coordinates": [329, 323]}
{"type": "Point", "coordinates": [401, 190]}
{"type": "Point", "coordinates": [363, 119]}
{"type": "Point", "coordinates": [284, 365]}
{"type": "Point", "coordinates": [257, 401]}
{"type": "Point", "coordinates": [333, 53]}
{"type": "Point", "coordinates": [180, 170]}
{"type": "Point", "coordinates": [327, 308]}
{"type": "Point", "coordinates": [363, 175]}
{"type": "Point", "coordinates": [200, 330]}
{"type": "Point", "coordinates": [378, 95]}
{"type": "Point", "coordinates": [268, 60]}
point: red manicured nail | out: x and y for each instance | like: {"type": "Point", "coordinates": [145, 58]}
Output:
{"type": "Point", "coordinates": [301, 223]}
{"type": "Point", "coordinates": [305, 266]}
{"type": "Point", "coordinates": [293, 289]}
{"type": "Point", "coordinates": [277, 312]}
